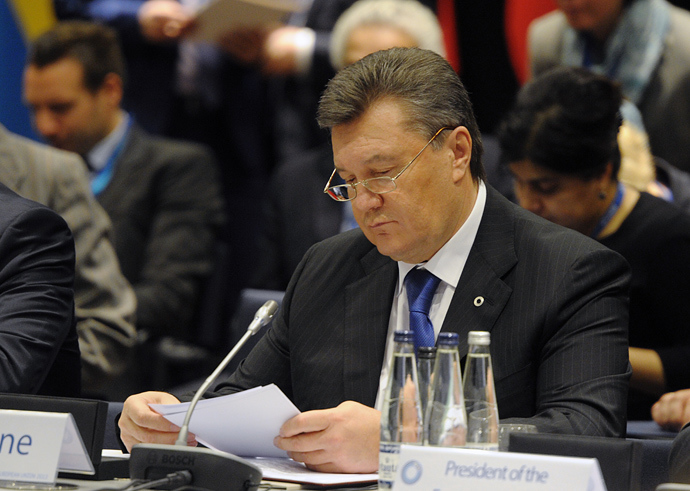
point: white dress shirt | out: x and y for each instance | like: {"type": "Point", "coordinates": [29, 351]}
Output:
{"type": "Point", "coordinates": [447, 264]}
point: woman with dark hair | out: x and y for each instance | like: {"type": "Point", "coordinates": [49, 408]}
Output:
{"type": "Point", "coordinates": [559, 142]}
{"type": "Point", "coordinates": [642, 44]}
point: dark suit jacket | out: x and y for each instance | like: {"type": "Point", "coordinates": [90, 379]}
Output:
{"type": "Point", "coordinates": [555, 303]}
{"type": "Point", "coordinates": [39, 351]}
{"type": "Point", "coordinates": [166, 206]}
{"type": "Point", "coordinates": [296, 215]}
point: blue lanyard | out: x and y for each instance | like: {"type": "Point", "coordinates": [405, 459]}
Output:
{"type": "Point", "coordinates": [610, 211]}
{"type": "Point", "coordinates": [102, 178]}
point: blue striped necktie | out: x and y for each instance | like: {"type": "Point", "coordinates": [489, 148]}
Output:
{"type": "Point", "coordinates": [421, 286]}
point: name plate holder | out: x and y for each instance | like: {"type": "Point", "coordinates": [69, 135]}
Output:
{"type": "Point", "coordinates": [440, 469]}
{"type": "Point", "coordinates": [35, 445]}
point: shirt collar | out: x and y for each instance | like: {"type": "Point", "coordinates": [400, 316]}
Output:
{"type": "Point", "coordinates": [100, 154]}
{"type": "Point", "coordinates": [448, 263]}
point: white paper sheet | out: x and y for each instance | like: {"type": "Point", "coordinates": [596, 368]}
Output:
{"type": "Point", "coordinates": [244, 423]}
{"type": "Point", "coordinates": [291, 471]}
{"type": "Point", "coordinates": [221, 16]}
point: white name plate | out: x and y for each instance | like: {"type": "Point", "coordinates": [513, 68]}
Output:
{"type": "Point", "coordinates": [34, 445]}
{"type": "Point", "coordinates": [440, 469]}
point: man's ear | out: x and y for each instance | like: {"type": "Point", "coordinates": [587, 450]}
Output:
{"type": "Point", "coordinates": [460, 143]}
{"type": "Point", "coordinates": [112, 89]}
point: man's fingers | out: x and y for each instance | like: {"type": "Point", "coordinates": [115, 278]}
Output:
{"type": "Point", "coordinates": [132, 434]}
{"type": "Point", "coordinates": [326, 467]}
{"type": "Point", "coordinates": [316, 458]}
{"type": "Point", "coordinates": [308, 422]}
{"type": "Point", "coordinates": [307, 442]}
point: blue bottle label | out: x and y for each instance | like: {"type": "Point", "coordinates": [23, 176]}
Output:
{"type": "Point", "coordinates": [388, 464]}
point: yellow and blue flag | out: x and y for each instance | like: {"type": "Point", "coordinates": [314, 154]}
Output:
{"type": "Point", "coordinates": [21, 21]}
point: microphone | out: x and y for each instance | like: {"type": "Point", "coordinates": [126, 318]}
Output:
{"type": "Point", "coordinates": [210, 469]}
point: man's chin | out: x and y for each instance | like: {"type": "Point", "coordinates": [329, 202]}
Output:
{"type": "Point", "coordinates": [395, 253]}
{"type": "Point", "coordinates": [57, 144]}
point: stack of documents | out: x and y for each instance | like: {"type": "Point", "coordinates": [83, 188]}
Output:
{"type": "Point", "coordinates": [245, 424]}
{"type": "Point", "coordinates": [219, 17]}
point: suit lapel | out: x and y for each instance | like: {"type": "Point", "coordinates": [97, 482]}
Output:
{"type": "Point", "coordinates": [482, 294]}
{"type": "Point", "coordinates": [124, 174]}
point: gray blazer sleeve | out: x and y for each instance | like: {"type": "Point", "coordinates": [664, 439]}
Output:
{"type": "Point", "coordinates": [105, 301]}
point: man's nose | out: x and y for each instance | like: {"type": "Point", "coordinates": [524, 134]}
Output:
{"type": "Point", "coordinates": [528, 200]}
{"type": "Point", "coordinates": [46, 124]}
{"type": "Point", "coordinates": [531, 202]}
{"type": "Point", "coordinates": [366, 200]}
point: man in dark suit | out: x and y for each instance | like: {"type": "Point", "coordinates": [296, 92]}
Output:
{"type": "Point", "coordinates": [40, 351]}
{"type": "Point", "coordinates": [163, 196]}
{"type": "Point", "coordinates": [407, 145]}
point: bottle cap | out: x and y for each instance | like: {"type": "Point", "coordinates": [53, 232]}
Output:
{"type": "Point", "coordinates": [426, 352]}
{"type": "Point", "coordinates": [482, 338]}
{"type": "Point", "coordinates": [448, 339]}
{"type": "Point", "coordinates": [403, 336]}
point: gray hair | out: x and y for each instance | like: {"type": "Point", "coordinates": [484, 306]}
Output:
{"type": "Point", "coordinates": [429, 91]}
{"type": "Point", "coordinates": [409, 16]}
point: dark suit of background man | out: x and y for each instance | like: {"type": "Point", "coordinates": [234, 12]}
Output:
{"type": "Point", "coordinates": [554, 300]}
{"type": "Point", "coordinates": [38, 336]}
{"type": "Point", "coordinates": [163, 196]}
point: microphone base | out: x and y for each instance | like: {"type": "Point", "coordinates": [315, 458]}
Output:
{"type": "Point", "coordinates": [211, 470]}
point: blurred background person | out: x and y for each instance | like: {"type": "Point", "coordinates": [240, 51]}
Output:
{"type": "Point", "coordinates": [296, 215]}
{"type": "Point", "coordinates": [643, 44]}
{"type": "Point", "coordinates": [40, 351]}
{"type": "Point", "coordinates": [645, 172]}
{"type": "Point", "coordinates": [163, 196]}
{"type": "Point", "coordinates": [560, 143]}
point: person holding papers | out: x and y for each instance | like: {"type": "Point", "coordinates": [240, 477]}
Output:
{"type": "Point", "coordinates": [408, 150]}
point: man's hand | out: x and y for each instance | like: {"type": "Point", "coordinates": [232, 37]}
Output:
{"type": "Point", "coordinates": [164, 20]}
{"type": "Point", "coordinates": [341, 439]}
{"type": "Point", "coordinates": [280, 51]}
{"type": "Point", "coordinates": [672, 410]}
{"type": "Point", "coordinates": [273, 48]}
{"type": "Point", "coordinates": [141, 424]}
{"type": "Point", "coordinates": [246, 44]}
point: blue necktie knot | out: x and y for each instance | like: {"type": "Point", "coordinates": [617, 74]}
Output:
{"type": "Point", "coordinates": [421, 285]}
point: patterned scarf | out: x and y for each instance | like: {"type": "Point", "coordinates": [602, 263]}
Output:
{"type": "Point", "coordinates": [633, 50]}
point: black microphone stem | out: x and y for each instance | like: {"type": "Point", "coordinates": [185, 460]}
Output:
{"type": "Point", "coordinates": [263, 316]}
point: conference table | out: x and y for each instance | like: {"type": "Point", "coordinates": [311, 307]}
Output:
{"type": "Point", "coordinates": [652, 446]}
{"type": "Point", "coordinates": [121, 484]}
